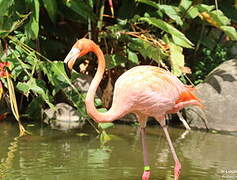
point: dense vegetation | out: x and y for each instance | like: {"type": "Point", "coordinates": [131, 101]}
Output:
{"type": "Point", "coordinates": [184, 36]}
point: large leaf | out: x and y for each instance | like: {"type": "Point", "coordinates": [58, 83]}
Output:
{"type": "Point", "coordinates": [56, 74]}
{"type": "Point", "coordinates": [32, 28]}
{"type": "Point", "coordinates": [148, 2]}
{"type": "Point", "coordinates": [35, 107]}
{"type": "Point", "coordinates": [205, 8]}
{"type": "Point", "coordinates": [193, 12]}
{"type": "Point", "coordinates": [187, 8]}
{"type": "Point", "coordinates": [38, 87]}
{"type": "Point", "coordinates": [176, 59]}
{"type": "Point", "coordinates": [4, 6]}
{"type": "Point", "coordinates": [58, 79]}
{"type": "Point", "coordinates": [9, 24]}
{"type": "Point", "coordinates": [81, 8]}
{"type": "Point", "coordinates": [24, 88]}
{"type": "Point", "coordinates": [169, 10]}
{"type": "Point", "coordinates": [172, 13]}
{"type": "Point", "coordinates": [185, 4]}
{"type": "Point", "coordinates": [132, 56]}
{"type": "Point", "coordinates": [230, 32]}
{"type": "Point", "coordinates": [51, 7]}
{"type": "Point", "coordinates": [104, 137]}
{"type": "Point", "coordinates": [147, 49]}
{"type": "Point", "coordinates": [219, 18]}
{"type": "Point", "coordinates": [105, 125]}
{"type": "Point", "coordinates": [178, 37]}
{"type": "Point", "coordinates": [114, 60]}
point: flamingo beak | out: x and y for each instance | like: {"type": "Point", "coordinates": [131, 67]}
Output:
{"type": "Point", "coordinates": [70, 60]}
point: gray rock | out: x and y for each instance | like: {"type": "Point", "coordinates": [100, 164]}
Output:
{"type": "Point", "coordinates": [219, 95]}
{"type": "Point", "coordinates": [82, 83]}
{"type": "Point", "coordinates": [64, 117]}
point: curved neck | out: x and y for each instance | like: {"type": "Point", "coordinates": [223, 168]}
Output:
{"type": "Point", "coordinates": [90, 106]}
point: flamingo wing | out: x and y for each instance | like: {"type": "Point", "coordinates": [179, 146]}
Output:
{"type": "Point", "coordinates": [152, 91]}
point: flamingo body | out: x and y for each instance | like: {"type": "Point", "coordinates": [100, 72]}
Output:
{"type": "Point", "coordinates": [143, 90]}
{"type": "Point", "coordinates": [150, 91]}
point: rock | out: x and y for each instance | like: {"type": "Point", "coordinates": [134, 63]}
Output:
{"type": "Point", "coordinates": [218, 94]}
{"type": "Point", "coordinates": [82, 83]}
{"type": "Point", "coordinates": [64, 117]}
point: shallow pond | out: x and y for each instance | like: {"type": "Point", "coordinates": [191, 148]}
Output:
{"type": "Point", "coordinates": [57, 155]}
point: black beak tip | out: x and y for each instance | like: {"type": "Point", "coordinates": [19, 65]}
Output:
{"type": "Point", "coordinates": [68, 71]}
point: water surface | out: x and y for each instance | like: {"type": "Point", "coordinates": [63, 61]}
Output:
{"type": "Point", "coordinates": [56, 155]}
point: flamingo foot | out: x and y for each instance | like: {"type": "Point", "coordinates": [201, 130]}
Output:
{"type": "Point", "coordinates": [146, 175]}
{"type": "Point", "coordinates": [177, 170]}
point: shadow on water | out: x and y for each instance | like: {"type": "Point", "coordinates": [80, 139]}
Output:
{"type": "Point", "coordinates": [56, 155]}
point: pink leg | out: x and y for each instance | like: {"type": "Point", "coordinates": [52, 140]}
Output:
{"type": "Point", "coordinates": [177, 167]}
{"type": "Point", "coordinates": [142, 120]}
{"type": "Point", "coordinates": [147, 172]}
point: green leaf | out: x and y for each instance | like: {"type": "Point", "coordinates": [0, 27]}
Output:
{"type": "Point", "coordinates": [32, 28]}
{"type": "Point", "coordinates": [179, 41]}
{"type": "Point", "coordinates": [169, 10]}
{"type": "Point", "coordinates": [146, 49]}
{"type": "Point", "coordinates": [172, 13]}
{"type": "Point", "coordinates": [132, 56]}
{"type": "Point", "coordinates": [39, 87]}
{"type": "Point", "coordinates": [98, 102]}
{"type": "Point", "coordinates": [187, 8]}
{"type": "Point", "coordinates": [56, 74]}
{"type": "Point", "coordinates": [104, 137]}
{"type": "Point", "coordinates": [219, 18]}
{"type": "Point", "coordinates": [23, 87]}
{"type": "Point", "coordinates": [205, 8]}
{"type": "Point", "coordinates": [105, 125]}
{"type": "Point", "coordinates": [82, 134]}
{"type": "Point", "coordinates": [81, 8]}
{"type": "Point", "coordinates": [178, 37]}
{"type": "Point", "coordinates": [4, 7]}
{"type": "Point", "coordinates": [102, 110]}
{"type": "Point", "coordinates": [230, 32]}
{"type": "Point", "coordinates": [148, 2]}
{"type": "Point", "coordinates": [176, 59]}
{"type": "Point", "coordinates": [51, 7]}
{"type": "Point", "coordinates": [185, 4]}
{"type": "Point", "coordinates": [57, 77]}
{"type": "Point", "coordinates": [35, 107]}
{"type": "Point", "coordinates": [9, 25]}
{"type": "Point", "coordinates": [193, 12]}
{"type": "Point", "coordinates": [114, 60]}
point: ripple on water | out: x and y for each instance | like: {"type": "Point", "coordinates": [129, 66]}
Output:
{"type": "Point", "coordinates": [58, 155]}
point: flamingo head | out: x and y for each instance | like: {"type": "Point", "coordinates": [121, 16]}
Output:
{"type": "Point", "coordinates": [79, 49]}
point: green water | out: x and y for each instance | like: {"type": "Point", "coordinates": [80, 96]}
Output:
{"type": "Point", "coordinates": [56, 155]}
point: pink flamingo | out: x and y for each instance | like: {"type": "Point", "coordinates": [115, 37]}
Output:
{"type": "Point", "coordinates": [143, 90]}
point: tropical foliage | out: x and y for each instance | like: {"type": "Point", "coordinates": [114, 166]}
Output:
{"type": "Point", "coordinates": [37, 34]}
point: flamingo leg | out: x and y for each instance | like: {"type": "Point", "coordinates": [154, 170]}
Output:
{"type": "Point", "coordinates": [147, 172]}
{"type": "Point", "coordinates": [177, 167]}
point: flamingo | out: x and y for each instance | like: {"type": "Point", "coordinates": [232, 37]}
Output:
{"type": "Point", "coordinates": [146, 91]}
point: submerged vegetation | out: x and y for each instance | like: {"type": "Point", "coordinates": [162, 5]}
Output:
{"type": "Point", "coordinates": [183, 36]}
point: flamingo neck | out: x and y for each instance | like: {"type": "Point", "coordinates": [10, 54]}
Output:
{"type": "Point", "coordinates": [90, 105]}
